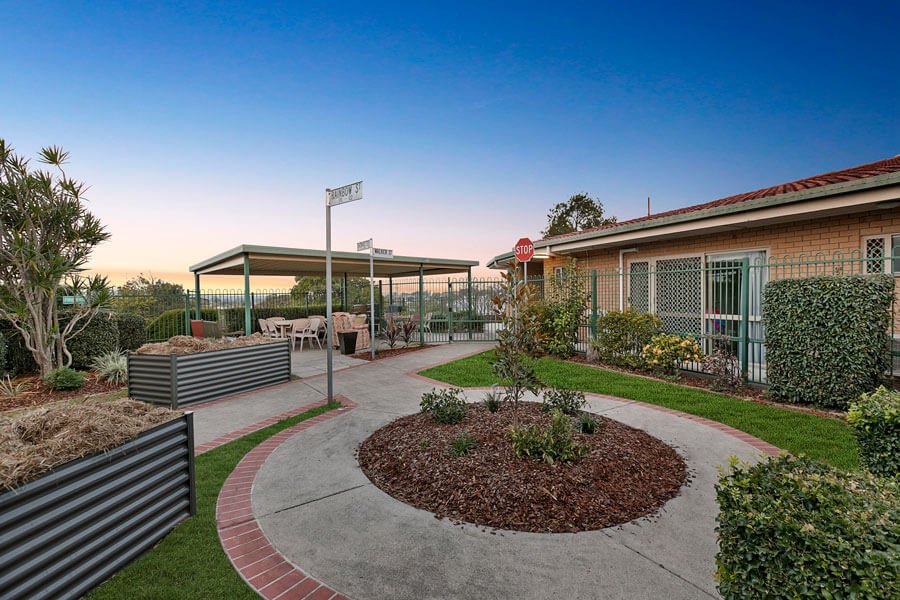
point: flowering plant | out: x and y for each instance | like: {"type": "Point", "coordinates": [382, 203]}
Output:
{"type": "Point", "coordinates": [665, 351]}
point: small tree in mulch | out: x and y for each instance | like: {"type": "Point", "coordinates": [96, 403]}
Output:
{"type": "Point", "coordinates": [518, 340]}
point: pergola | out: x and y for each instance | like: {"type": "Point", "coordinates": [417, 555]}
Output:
{"type": "Point", "coordinates": [250, 260]}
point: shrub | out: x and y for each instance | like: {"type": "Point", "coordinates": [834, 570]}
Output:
{"type": "Point", "coordinates": [391, 331]}
{"type": "Point", "coordinates": [665, 351]}
{"type": "Point", "coordinates": [493, 401]}
{"type": "Point", "coordinates": [446, 405]}
{"type": "Point", "coordinates": [563, 311]}
{"type": "Point", "coordinates": [827, 337]}
{"type": "Point", "coordinates": [723, 365]}
{"type": "Point", "coordinates": [8, 389]}
{"type": "Point", "coordinates": [555, 443]}
{"type": "Point", "coordinates": [587, 424]}
{"type": "Point", "coordinates": [98, 337]}
{"type": "Point", "coordinates": [112, 366]}
{"type": "Point", "coordinates": [875, 419]}
{"type": "Point", "coordinates": [19, 360]}
{"type": "Point", "coordinates": [64, 378]}
{"type": "Point", "coordinates": [569, 402]}
{"type": "Point", "coordinates": [461, 444]}
{"type": "Point", "coordinates": [622, 335]}
{"type": "Point", "coordinates": [132, 330]}
{"type": "Point", "coordinates": [796, 528]}
{"type": "Point", "coordinates": [3, 365]}
{"type": "Point", "coordinates": [408, 329]}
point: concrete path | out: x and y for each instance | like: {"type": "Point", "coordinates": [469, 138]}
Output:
{"type": "Point", "coordinates": [313, 508]}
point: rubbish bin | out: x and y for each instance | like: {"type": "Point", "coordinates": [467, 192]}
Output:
{"type": "Point", "coordinates": [347, 340]}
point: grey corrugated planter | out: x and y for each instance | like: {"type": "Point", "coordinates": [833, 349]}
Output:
{"type": "Point", "coordinates": [70, 529]}
{"type": "Point", "coordinates": [178, 380]}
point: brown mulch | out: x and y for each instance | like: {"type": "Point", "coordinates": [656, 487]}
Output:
{"type": "Point", "coordinates": [37, 440]}
{"type": "Point", "coordinates": [753, 394]}
{"type": "Point", "coordinates": [35, 391]}
{"type": "Point", "coordinates": [185, 344]}
{"type": "Point", "coordinates": [388, 352]}
{"type": "Point", "coordinates": [627, 473]}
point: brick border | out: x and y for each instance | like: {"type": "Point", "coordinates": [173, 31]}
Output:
{"type": "Point", "coordinates": [262, 566]}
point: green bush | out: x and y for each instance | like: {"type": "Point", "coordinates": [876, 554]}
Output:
{"type": "Point", "coordinates": [99, 337]}
{"type": "Point", "coordinates": [665, 352]}
{"type": "Point", "coordinates": [461, 323]}
{"type": "Point", "coordinates": [19, 360]}
{"type": "Point", "coordinates": [622, 335]}
{"type": "Point", "coordinates": [796, 528]}
{"type": "Point", "coordinates": [446, 405]}
{"type": "Point", "coordinates": [132, 330]}
{"type": "Point", "coordinates": [461, 445]}
{"type": "Point", "coordinates": [554, 443]}
{"type": "Point", "coordinates": [569, 402]}
{"type": "Point", "coordinates": [64, 378]}
{"type": "Point", "coordinates": [493, 401]}
{"type": "Point", "coordinates": [562, 312]}
{"type": "Point", "coordinates": [875, 419]}
{"type": "Point", "coordinates": [587, 424]}
{"type": "Point", "coordinates": [827, 337]}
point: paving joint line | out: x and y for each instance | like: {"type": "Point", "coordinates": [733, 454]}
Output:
{"type": "Point", "coordinates": [314, 500]}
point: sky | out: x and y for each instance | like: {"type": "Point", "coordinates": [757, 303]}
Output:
{"type": "Point", "coordinates": [202, 126]}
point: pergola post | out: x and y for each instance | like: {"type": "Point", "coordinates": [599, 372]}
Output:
{"type": "Point", "coordinates": [421, 306]}
{"type": "Point", "coordinates": [247, 321]}
{"type": "Point", "coordinates": [469, 299]}
{"type": "Point", "coordinates": [197, 293]}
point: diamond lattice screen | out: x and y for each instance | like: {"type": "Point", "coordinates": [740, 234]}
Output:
{"type": "Point", "coordinates": [639, 286]}
{"type": "Point", "coordinates": [875, 255]}
{"type": "Point", "coordinates": [679, 295]}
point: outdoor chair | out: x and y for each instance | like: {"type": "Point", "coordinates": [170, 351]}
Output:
{"type": "Point", "coordinates": [304, 329]}
{"type": "Point", "coordinates": [276, 331]}
{"type": "Point", "coordinates": [266, 329]}
{"type": "Point", "coordinates": [426, 324]}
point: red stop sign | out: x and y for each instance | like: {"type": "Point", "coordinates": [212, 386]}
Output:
{"type": "Point", "coordinates": [524, 250]}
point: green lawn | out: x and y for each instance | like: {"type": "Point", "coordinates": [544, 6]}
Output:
{"type": "Point", "coordinates": [821, 438]}
{"type": "Point", "coordinates": [190, 562]}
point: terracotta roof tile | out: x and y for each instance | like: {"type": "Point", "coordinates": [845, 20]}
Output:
{"type": "Point", "coordinates": [880, 167]}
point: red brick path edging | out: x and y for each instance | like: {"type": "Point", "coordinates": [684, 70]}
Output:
{"type": "Point", "coordinates": [258, 562]}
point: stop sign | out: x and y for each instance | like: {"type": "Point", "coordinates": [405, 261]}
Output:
{"type": "Point", "coordinates": [524, 250]}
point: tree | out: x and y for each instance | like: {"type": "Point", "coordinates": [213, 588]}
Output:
{"type": "Point", "coordinates": [580, 212]}
{"type": "Point", "coordinates": [312, 289]}
{"type": "Point", "coordinates": [47, 236]}
{"type": "Point", "coordinates": [148, 296]}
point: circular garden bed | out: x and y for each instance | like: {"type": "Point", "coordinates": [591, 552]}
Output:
{"type": "Point", "coordinates": [625, 473]}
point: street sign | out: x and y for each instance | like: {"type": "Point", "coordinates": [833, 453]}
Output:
{"type": "Point", "coordinates": [524, 250]}
{"type": "Point", "coordinates": [360, 246]}
{"type": "Point", "coordinates": [382, 253]}
{"type": "Point", "coordinates": [344, 194]}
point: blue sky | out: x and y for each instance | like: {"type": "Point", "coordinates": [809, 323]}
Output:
{"type": "Point", "coordinates": [202, 126]}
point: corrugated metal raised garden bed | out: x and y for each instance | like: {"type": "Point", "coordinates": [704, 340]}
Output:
{"type": "Point", "coordinates": [182, 379]}
{"type": "Point", "coordinates": [67, 530]}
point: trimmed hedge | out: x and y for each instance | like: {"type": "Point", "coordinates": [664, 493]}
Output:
{"type": "Point", "coordinates": [132, 330]}
{"type": "Point", "coordinates": [100, 336]}
{"type": "Point", "coordinates": [827, 337]}
{"type": "Point", "coordinates": [796, 528]}
{"type": "Point", "coordinates": [875, 419]}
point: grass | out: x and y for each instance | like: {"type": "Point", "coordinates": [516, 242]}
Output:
{"type": "Point", "coordinates": [821, 438]}
{"type": "Point", "coordinates": [190, 562]}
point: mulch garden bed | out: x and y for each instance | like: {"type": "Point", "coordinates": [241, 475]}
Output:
{"type": "Point", "coordinates": [388, 352]}
{"type": "Point", "coordinates": [626, 473]}
{"type": "Point", "coordinates": [35, 391]}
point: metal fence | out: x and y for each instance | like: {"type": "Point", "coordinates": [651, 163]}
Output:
{"type": "Point", "coordinates": [712, 298]}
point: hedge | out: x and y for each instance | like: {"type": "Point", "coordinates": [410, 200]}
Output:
{"type": "Point", "coordinates": [461, 323]}
{"type": "Point", "coordinates": [797, 528]}
{"type": "Point", "coordinates": [875, 419]}
{"type": "Point", "coordinates": [171, 323]}
{"type": "Point", "coordinates": [19, 360]}
{"type": "Point", "coordinates": [132, 330]}
{"type": "Point", "coordinates": [99, 337]}
{"type": "Point", "coordinates": [622, 335]}
{"type": "Point", "coordinates": [827, 337]}
{"type": "Point", "coordinates": [2, 355]}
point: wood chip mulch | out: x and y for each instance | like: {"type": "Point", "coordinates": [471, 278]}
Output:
{"type": "Point", "coordinates": [35, 391]}
{"type": "Point", "coordinates": [627, 473]}
{"type": "Point", "coordinates": [388, 352]}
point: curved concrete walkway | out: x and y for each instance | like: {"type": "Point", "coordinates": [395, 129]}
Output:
{"type": "Point", "coordinates": [312, 525]}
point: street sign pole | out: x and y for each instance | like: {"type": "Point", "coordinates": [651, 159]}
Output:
{"type": "Point", "coordinates": [372, 300]}
{"type": "Point", "coordinates": [333, 197]}
{"type": "Point", "coordinates": [329, 352]}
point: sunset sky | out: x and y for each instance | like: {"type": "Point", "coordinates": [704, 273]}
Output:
{"type": "Point", "coordinates": [201, 126]}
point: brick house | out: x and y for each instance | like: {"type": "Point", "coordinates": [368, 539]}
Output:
{"type": "Point", "coordinates": [685, 264]}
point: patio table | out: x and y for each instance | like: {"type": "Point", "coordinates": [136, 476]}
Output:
{"type": "Point", "coordinates": [282, 327]}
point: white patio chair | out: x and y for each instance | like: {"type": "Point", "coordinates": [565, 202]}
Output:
{"type": "Point", "coordinates": [265, 328]}
{"type": "Point", "coordinates": [305, 329]}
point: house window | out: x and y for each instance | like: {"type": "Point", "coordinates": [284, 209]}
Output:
{"type": "Point", "coordinates": [882, 254]}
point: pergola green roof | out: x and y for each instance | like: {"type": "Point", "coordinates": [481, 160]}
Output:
{"type": "Point", "coordinates": [273, 260]}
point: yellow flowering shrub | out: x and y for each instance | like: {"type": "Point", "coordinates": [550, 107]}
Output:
{"type": "Point", "coordinates": [666, 351]}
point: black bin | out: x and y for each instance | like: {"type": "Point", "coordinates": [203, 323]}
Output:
{"type": "Point", "coordinates": [347, 341]}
